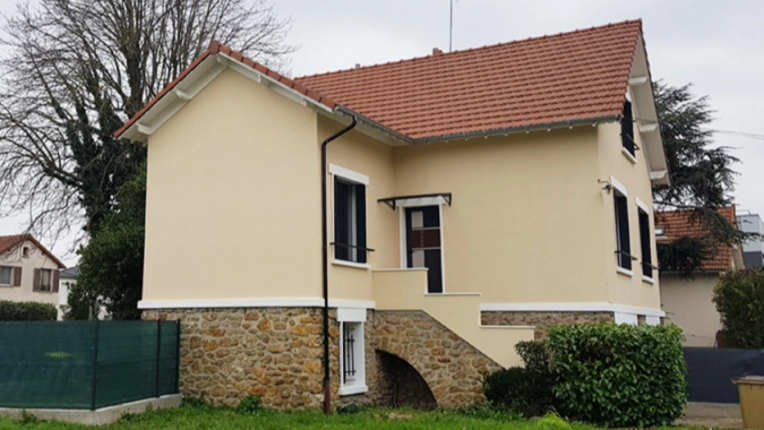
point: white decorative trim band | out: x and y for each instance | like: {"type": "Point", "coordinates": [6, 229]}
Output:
{"type": "Point", "coordinates": [316, 302]}
{"type": "Point", "coordinates": [348, 174]}
{"type": "Point", "coordinates": [570, 307]}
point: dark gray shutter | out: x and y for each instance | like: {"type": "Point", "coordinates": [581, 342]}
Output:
{"type": "Point", "coordinates": [622, 230]}
{"type": "Point", "coordinates": [54, 281]}
{"type": "Point", "coordinates": [36, 280]}
{"type": "Point", "coordinates": [644, 239]}
{"type": "Point", "coordinates": [341, 220]}
{"type": "Point", "coordinates": [17, 276]}
{"type": "Point", "coordinates": [627, 128]}
{"type": "Point", "coordinates": [360, 210]}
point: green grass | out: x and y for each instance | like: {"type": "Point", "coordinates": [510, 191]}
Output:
{"type": "Point", "coordinates": [373, 419]}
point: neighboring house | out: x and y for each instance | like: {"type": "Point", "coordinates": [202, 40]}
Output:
{"type": "Point", "coordinates": [689, 302]}
{"type": "Point", "coordinates": [481, 197]}
{"type": "Point", "coordinates": [68, 277]}
{"type": "Point", "coordinates": [28, 271]}
{"type": "Point", "coordinates": [753, 250]}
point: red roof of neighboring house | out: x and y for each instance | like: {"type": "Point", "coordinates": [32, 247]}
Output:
{"type": "Point", "coordinates": [678, 224]}
{"type": "Point", "coordinates": [8, 243]}
{"type": "Point", "coordinates": [580, 75]}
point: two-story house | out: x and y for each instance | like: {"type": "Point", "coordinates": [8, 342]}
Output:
{"type": "Point", "coordinates": [398, 228]}
{"type": "Point", "coordinates": [28, 271]}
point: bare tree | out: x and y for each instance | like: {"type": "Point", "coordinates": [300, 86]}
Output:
{"type": "Point", "coordinates": [75, 70]}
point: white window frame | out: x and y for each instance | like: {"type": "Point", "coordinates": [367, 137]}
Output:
{"type": "Point", "coordinates": [357, 317]}
{"type": "Point", "coordinates": [417, 203]}
{"type": "Point", "coordinates": [50, 280]}
{"type": "Point", "coordinates": [10, 276]}
{"type": "Point", "coordinates": [353, 177]}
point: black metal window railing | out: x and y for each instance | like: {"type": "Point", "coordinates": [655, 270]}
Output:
{"type": "Point", "coordinates": [348, 359]}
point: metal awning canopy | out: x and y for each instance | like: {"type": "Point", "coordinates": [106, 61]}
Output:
{"type": "Point", "coordinates": [417, 200]}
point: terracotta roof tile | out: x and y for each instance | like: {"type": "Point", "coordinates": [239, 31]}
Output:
{"type": "Point", "coordinates": [572, 76]}
{"type": "Point", "coordinates": [678, 224]}
{"type": "Point", "coordinates": [9, 242]}
{"type": "Point", "coordinates": [578, 75]}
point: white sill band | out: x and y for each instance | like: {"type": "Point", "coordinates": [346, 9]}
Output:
{"type": "Point", "coordinates": [366, 266]}
{"type": "Point", "coordinates": [648, 280]}
{"type": "Point", "coordinates": [349, 390]}
{"type": "Point", "coordinates": [626, 272]}
{"type": "Point", "coordinates": [628, 155]}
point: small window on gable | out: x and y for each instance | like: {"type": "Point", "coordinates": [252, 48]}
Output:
{"type": "Point", "coordinates": [645, 243]}
{"type": "Point", "coordinates": [25, 252]}
{"type": "Point", "coordinates": [623, 247]}
{"type": "Point", "coordinates": [627, 128]}
{"type": "Point", "coordinates": [349, 221]}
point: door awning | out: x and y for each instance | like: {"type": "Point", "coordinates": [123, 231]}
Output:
{"type": "Point", "coordinates": [417, 200]}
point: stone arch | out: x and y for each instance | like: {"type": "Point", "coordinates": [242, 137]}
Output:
{"type": "Point", "coordinates": [402, 384]}
{"type": "Point", "coordinates": [452, 368]}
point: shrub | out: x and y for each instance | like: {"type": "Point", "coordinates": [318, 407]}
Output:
{"type": "Point", "coordinates": [535, 354]}
{"type": "Point", "coordinates": [618, 375]}
{"type": "Point", "coordinates": [523, 391]}
{"type": "Point", "coordinates": [739, 298]}
{"type": "Point", "coordinates": [27, 311]}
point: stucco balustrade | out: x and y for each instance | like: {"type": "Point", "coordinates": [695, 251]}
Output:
{"type": "Point", "coordinates": [405, 290]}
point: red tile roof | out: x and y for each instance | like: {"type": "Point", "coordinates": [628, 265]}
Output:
{"type": "Point", "coordinates": [678, 224]}
{"type": "Point", "coordinates": [580, 75]}
{"type": "Point", "coordinates": [8, 243]}
{"type": "Point", "coordinates": [569, 76]}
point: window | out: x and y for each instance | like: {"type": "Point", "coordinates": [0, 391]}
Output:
{"type": "Point", "coordinates": [349, 221]}
{"type": "Point", "coordinates": [5, 275]}
{"type": "Point", "coordinates": [645, 243]}
{"type": "Point", "coordinates": [45, 280]}
{"type": "Point", "coordinates": [25, 252]}
{"type": "Point", "coordinates": [352, 352]}
{"type": "Point", "coordinates": [660, 232]}
{"type": "Point", "coordinates": [623, 250]}
{"type": "Point", "coordinates": [627, 128]}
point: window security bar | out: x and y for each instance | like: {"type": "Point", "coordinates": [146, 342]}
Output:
{"type": "Point", "coordinates": [349, 359]}
{"type": "Point", "coordinates": [650, 265]}
{"type": "Point", "coordinates": [626, 254]}
{"type": "Point", "coordinates": [346, 245]}
{"type": "Point", "coordinates": [636, 147]}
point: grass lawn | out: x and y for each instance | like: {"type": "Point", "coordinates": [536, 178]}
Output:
{"type": "Point", "coordinates": [374, 419]}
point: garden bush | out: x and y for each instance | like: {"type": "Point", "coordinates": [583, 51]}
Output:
{"type": "Point", "coordinates": [27, 311]}
{"type": "Point", "coordinates": [526, 391]}
{"type": "Point", "coordinates": [618, 375]}
{"type": "Point", "coordinates": [739, 298]}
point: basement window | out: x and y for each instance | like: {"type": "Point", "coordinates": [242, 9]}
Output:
{"type": "Point", "coordinates": [623, 247]}
{"type": "Point", "coordinates": [352, 358]}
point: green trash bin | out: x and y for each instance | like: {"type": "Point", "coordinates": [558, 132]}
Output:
{"type": "Point", "coordinates": [751, 389]}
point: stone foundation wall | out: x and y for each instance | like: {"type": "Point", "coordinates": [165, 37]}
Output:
{"type": "Point", "coordinates": [544, 320]}
{"type": "Point", "coordinates": [227, 354]}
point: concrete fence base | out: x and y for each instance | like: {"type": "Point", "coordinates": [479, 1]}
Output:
{"type": "Point", "coordinates": [101, 416]}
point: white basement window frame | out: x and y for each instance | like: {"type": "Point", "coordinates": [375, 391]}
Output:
{"type": "Point", "coordinates": [352, 351]}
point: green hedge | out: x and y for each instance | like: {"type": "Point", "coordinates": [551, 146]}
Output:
{"type": "Point", "coordinates": [618, 375]}
{"type": "Point", "coordinates": [27, 311]}
{"type": "Point", "coordinates": [739, 298]}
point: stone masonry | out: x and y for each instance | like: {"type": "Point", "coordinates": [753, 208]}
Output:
{"type": "Point", "coordinates": [544, 320]}
{"type": "Point", "coordinates": [276, 353]}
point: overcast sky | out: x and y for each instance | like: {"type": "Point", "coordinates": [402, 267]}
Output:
{"type": "Point", "coordinates": [716, 45]}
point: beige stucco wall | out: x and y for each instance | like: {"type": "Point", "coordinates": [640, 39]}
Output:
{"type": "Point", "coordinates": [361, 154]}
{"type": "Point", "coordinates": [36, 260]}
{"type": "Point", "coordinates": [689, 305]}
{"type": "Point", "coordinates": [526, 217]}
{"type": "Point", "coordinates": [233, 197]}
{"type": "Point", "coordinates": [623, 289]}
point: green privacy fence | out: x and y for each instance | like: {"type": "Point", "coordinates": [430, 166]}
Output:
{"type": "Point", "coordinates": [86, 364]}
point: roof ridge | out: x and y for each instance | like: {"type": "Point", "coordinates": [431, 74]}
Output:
{"type": "Point", "coordinates": [479, 48]}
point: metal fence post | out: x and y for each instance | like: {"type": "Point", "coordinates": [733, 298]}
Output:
{"type": "Point", "coordinates": [95, 368]}
{"type": "Point", "coordinates": [159, 356]}
{"type": "Point", "coordinates": [177, 359]}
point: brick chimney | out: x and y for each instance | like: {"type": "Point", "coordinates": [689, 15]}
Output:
{"type": "Point", "coordinates": [436, 51]}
